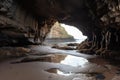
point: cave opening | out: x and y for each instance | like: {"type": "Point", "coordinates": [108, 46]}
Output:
{"type": "Point", "coordinates": [63, 33]}
{"type": "Point", "coordinates": [74, 31]}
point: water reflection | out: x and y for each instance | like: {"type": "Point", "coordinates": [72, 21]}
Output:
{"type": "Point", "coordinates": [58, 71]}
{"type": "Point", "coordinates": [74, 61]}
{"type": "Point", "coordinates": [70, 60]}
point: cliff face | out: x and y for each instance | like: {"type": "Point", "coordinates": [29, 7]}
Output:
{"type": "Point", "coordinates": [14, 21]}
{"type": "Point", "coordinates": [99, 20]}
{"type": "Point", "coordinates": [57, 31]}
{"type": "Point", "coordinates": [105, 34]}
{"type": "Point", "coordinates": [18, 24]}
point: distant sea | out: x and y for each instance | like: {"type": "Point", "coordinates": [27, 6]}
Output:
{"type": "Point", "coordinates": [62, 41]}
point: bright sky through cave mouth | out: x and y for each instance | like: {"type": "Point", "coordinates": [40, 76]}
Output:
{"type": "Point", "coordinates": [76, 33]}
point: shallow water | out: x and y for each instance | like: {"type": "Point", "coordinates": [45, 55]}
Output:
{"type": "Point", "coordinates": [59, 72]}
{"type": "Point", "coordinates": [68, 60]}
{"type": "Point", "coordinates": [46, 63]}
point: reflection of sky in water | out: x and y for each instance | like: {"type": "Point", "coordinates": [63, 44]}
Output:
{"type": "Point", "coordinates": [62, 73]}
{"type": "Point", "coordinates": [74, 61]}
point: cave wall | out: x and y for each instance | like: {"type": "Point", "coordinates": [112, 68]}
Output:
{"type": "Point", "coordinates": [97, 19]}
{"type": "Point", "coordinates": [105, 36]}
{"type": "Point", "coordinates": [17, 25]}
{"type": "Point", "coordinates": [14, 21]}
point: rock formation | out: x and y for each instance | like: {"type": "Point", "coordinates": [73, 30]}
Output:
{"type": "Point", "coordinates": [58, 32]}
{"type": "Point", "coordinates": [99, 20]}
{"type": "Point", "coordinates": [18, 24]}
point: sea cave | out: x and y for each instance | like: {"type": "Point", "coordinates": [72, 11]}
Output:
{"type": "Point", "coordinates": [36, 44]}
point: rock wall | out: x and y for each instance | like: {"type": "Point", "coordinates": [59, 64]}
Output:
{"type": "Point", "coordinates": [18, 24]}
{"type": "Point", "coordinates": [14, 21]}
{"type": "Point", "coordinates": [105, 37]}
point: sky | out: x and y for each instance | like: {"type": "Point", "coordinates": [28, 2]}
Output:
{"type": "Point", "coordinates": [76, 33]}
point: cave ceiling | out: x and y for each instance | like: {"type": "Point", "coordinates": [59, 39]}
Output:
{"type": "Point", "coordinates": [87, 15]}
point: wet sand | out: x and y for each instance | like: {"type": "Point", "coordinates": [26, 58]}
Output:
{"type": "Point", "coordinates": [46, 63]}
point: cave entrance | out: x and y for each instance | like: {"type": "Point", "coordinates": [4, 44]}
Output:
{"type": "Point", "coordinates": [75, 32]}
{"type": "Point", "coordinates": [62, 33]}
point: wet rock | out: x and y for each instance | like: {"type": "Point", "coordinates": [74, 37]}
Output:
{"type": "Point", "coordinates": [63, 47]}
{"type": "Point", "coordinates": [99, 51]}
{"type": "Point", "coordinates": [84, 45]}
{"type": "Point", "coordinates": [56, 58]}
{"type": "Point", "coordinates": [109, 67]}
{"type": "Point", "coordinates": [100, 77]}
{"type": "Point", "coordinates": [8, 52]}
{"type": "Point", "coordinates": [116, 78]}
{"type": "Point", "coordinates": [87, 51]}
{"type": "Point", "coordinates": [110, 54]}
{"type": "Point", "coordinates": [72, 44]}
{"type": "Point", "coordinates": [34, 59]}
{"type": "Point", "coordinates": [118, 72]}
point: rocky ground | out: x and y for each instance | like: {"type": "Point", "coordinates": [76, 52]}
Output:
{"type": "Point", "coordinates": [46, 63]}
